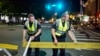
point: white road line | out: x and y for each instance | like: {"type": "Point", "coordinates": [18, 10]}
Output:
{"type": "Point", "coordinates": [88, 39]}
{"type": "Point", "coordinates": [95, 33]}
{"type": "Point", "coordinates": [45, 26]}
{"type": "Point", "coordinates": [95, 37]}
{"type": "Point", "coordinates": [80, 36]}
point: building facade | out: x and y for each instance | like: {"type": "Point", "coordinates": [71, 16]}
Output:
{"type": "Point", "coordinates": [92, 7]}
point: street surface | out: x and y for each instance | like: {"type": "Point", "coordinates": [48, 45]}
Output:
{"type": "Point", "coordinates": [13, 35]}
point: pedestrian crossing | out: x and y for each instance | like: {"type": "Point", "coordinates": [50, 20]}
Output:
{"type": "Point", "coordinates": [93, 36]}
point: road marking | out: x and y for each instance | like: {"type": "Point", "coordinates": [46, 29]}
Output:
{"type": "Point", "coordinates": [70, 45]}
{"type": "Point", "coordinates": [95, 37]}
{"type": "Point", "coordinates": [80, 36]}
{"type": "Point", "coordinates": [88, 39]}
{"type": "Point", "coordinates": [8, 46]}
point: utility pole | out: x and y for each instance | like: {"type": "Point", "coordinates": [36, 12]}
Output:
{"type": "Point", "coordinates": [98, 6]}
{"type": "Point", "coordinates": [81, 7]}
{"type": "Point", "coordinates": [96, 12]}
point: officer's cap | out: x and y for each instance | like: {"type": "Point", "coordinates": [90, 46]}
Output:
{"type": "Point", "coordinates": [64, 14]}
{"type": "Point", "coordinates": [30, 15]}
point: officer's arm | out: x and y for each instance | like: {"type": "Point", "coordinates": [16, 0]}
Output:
{"type": "Point", "coordinates": [24, 34]}
{"type": "Point", "coordinates": [53, 31]}
{"type": "Point", "coordinates": [39, 32]}
{"type": "Point", "coordinates": [72, 28]}
{"type": "Point", "coordinates": [53, 34]}
{"type": "Point", "coordinates": [72, 36]}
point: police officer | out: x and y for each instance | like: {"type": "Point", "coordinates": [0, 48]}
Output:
{"type": "Point", "coordinates": [33, 29]}
{"type": "Point", "coordinates": [59, 30]}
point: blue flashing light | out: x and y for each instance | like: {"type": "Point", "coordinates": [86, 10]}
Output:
{"type": "Point", "coordinates": [54, 5]}
{"type": "Point", "coordinates": [48, 7]}
{"type": "Point", "coordinates": [60, 6]}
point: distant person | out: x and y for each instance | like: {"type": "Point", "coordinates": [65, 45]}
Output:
{"type": "Point", "coordinates": [33, 29]}
{"type": "Point", "coordinates": [13, 20]}
{"type": "Point", "coordinates": [59, 30]}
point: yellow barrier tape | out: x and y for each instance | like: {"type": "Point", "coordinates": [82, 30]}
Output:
{"type": "Point", "coordinates": [81, 45]}
{"type": "Point", "coordinates": [8, 46]}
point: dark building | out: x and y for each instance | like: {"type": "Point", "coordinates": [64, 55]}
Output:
{"type": "Point", "coordinates": [92, 7]}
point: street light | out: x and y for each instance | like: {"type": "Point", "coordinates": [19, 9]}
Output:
{"type": "Point", "coordinates": [86, 18]}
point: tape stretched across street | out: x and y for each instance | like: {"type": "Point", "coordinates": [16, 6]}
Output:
{"type": "Point", "coordinates": [70, 45]}
{"type": "Point", "coordinates": [8, 46]}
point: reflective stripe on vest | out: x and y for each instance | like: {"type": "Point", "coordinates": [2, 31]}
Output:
{"type": "Point", "coordinates": [61, 29]}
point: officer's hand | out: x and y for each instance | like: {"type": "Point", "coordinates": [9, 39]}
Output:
{"type": "Point", "coordinates": [55, 41]}
{"type": "Point", "coordinates": [24, 40]}
{"type": "Point", "coordinates": [32, 37]}
{"type": "Point", "coordinates": [75, 41]}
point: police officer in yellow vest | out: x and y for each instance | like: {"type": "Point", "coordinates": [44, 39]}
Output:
{"type": "Point", "coordinates": [59, 30]}
{"type": "Point", "coordinates": [33, 28]}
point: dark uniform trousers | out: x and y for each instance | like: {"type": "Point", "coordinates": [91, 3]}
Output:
{"type": "Point", "coordinates": [37, 39]}
{"type": "Point", "coordinates": [62, 50]}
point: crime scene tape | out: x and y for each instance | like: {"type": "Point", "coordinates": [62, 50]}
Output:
{"type": "Point", "coordinates": [70, 45]}
{"type": "Point", "coordinates": [8, 46]}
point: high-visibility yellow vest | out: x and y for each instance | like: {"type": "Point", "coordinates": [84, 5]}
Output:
{"type": "Point", "coordinates": [60, 29]}
{"type": "Point", "coordinates": [33, 28]}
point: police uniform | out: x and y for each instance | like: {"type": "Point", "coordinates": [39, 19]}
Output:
{"type": "Point", "coordinates": [60, 31]}
{"type": "Point", "coordinates": [32, 28]}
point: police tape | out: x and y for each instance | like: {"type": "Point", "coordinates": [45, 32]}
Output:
{"type": "Point", "coordinates": [8, 46]}
{"type": "Point", "coordinates": [69, 45]}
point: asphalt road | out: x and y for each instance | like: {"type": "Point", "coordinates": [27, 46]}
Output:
{"type": "Point", "coordinates": [13, 35]}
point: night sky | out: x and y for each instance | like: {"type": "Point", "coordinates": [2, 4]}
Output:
{"type": "Point", "coordinates": [38, 6]}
